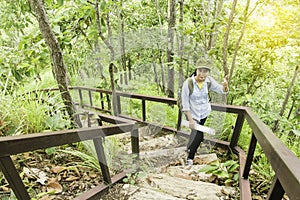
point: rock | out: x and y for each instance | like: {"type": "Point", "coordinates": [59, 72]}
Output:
{"type": "Point", "coordinates": [189, 172]}
{"type": "Point", "coordinates": [133, 192]}
{"type": "Point", "coordinates": [205, 159]}
{"type": "Point", "coordinates": [183, 188]}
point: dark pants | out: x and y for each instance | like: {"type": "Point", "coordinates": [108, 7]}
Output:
{"type": "Point", "coordinates": [196, 138]}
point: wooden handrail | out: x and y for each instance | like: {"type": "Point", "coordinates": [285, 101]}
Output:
{"type": "Point", "coordinates": [283, 161]}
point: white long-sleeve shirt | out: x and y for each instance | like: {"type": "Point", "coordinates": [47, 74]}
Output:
{"type": "Point", "coordinates": [198, 102]}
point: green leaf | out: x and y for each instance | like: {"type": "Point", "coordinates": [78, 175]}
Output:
{"type": "Point", "coordinates": [125, 180]}
{"type": "Point", "coordinates": [209, 169]}
{"type": "Point", "coordinates": [296, 132]}
{"type": "Point", "coordinates": [236, 177]}
{"type": "Point", "coordinates": [61, 2]}
{"type": "Point", "coordinates": [222, 174]}
{"type": "Point", "coordinates": [233, 167]}
{"type": "Point", "coordinates": [50, 151]}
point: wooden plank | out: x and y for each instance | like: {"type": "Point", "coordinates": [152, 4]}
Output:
{"type": "Point", "coordinates": [98, 143]}
{"type": "Point", "coordinates": [283, 161]}
{"type": "Point", "coordinates": [237, 130]}
{"type": "Point", "coordinates": [102, 102]}
{"type": "Point", "coordinates": [276, 191]}
{"type": "Point", "coordinates": [250, 156]}
{"type": "Point", "coordinates": [179, 119]}
{"type": "Point", "coordinates": [143, 110]}
{"type": "Point", "coordinates": [96, 192]}
{"type": "Point", "coordinates": [228, 108]}
{"type": "Point", "coordinates": [90, 98]}
{"type": "Point", "coordinates": [12, 145]}
{"type": "Point", "coordinates": [119, 109]}
{"type": "Point", "coordinates": [244, 184]}
{"type": "Point", "coordinates": [80, 97]}
{"type": "Point", "coordinates": [135, 147]}
{"type": "Point", "coordinates": [109, 118]}
{"type": "Point", "coordinates": [12, 176]}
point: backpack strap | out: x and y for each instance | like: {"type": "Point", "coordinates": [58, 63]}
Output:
{"type": "Point", "coordinates": [190, 85]}
{"type": "Point", "coordinates": [208, 83]}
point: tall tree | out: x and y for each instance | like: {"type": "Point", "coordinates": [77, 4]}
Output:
{"type": "Point", "coordinates": [160, 54]}
{"type": "Point", "coordinates": [59, 69]}
{"type": "Point", "coordinates": [122, 42]}
{"type": "Point", "coordinates": [107, 41]}
{"type": "Point", "coordinates": [226, 36]}
{"type": "Point", "coordinates": [181, 45]}
{"type": "Point", "coordinates": [237, 45]}
{"type": "Point", "coordinates": [218, 4]}
{"type": "Point", "coordinates": [287, 96]}
{"type": "Point", "coordinates": [170, 49]}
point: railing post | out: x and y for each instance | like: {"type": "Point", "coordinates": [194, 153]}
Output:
{"type": "Point", "coordinates": [12, 176]}
{"type": "Point", "coordinates": [90, 97]}
{"type": "Point", "coordinates": [80, 97]}
{"type": "Point", "coordinates": [250, 155]}
{"type": "Point", "coordinates": [98, 142]}
{"type": "Point", "coordinates": [237, 130]}
{"type": "Point", "coordinates": [143, 110]}
{"type": "Point", "coordinates": [179, 119]}
{"type": "Point", "coordinates": [135, 142]}
{"type": "Point", "coordinates": [108, 103]}
{"type": "Point", "coordinates": [102, 102]}
{"type": "Point", "coordinates": [276, 191]}
{"type": "Point", "coordinates": [118, 104]}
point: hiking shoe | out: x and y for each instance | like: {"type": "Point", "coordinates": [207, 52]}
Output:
{"type": "Point", "coordinates": [189, 162]}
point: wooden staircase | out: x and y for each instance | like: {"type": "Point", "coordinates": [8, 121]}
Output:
{"type": "Point", "coordinates": [167, 177]}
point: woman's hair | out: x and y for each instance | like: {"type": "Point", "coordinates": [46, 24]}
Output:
{"type": "Point", "coordinates": [194, 73]}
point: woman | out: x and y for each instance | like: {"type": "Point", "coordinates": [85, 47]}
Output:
{"type": "Point", "coordinates": [196, 106]}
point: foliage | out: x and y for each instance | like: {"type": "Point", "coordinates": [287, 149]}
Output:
{"type": "Point", "coordinates": [133, 177]}
{"type": "Point", "coordinates": [24, 114]}
{"type": "Point", "coordinates": [88, 159]}
{"type": "Point", "coordinates": [227, 172]}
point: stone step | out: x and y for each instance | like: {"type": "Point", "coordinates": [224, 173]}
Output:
{"type": "Point", "coordinates": [133, 192]}
{"type": "Point", "coordinates": [163, 186]}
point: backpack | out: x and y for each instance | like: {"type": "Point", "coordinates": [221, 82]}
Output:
{"type": "Point", "coordinates": [191, 89]}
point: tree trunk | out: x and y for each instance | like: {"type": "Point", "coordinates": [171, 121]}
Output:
{"type": "Point", "coordinates": [218, 4]}
{"type": "Point", "coordinates": [246, 16]}
{"type": "Point", "coordinates": [163, 77]}
{"type": "Point", "coordinates": [129, 69]}
{"type": "Point", "coordinates": [59, 68]}
{"type": "Point", "coordinates": [107, 42]}
{"type": "Point", "coordinates": [112, 82]}
{"type": "Point", "coordinates": [181, 45]}
{"type": "Point", "coordinates": [160, 55]}
{"type": "Point", "coordinates": [122, 44]}
{"type": "Point", "coordinates": [291, 109]}
{"type": "Point", "coordinates": [237, 45]}
{"type": "Point", "coordinates": [226, 36]}
{"type": "Point", "coordinates": [99, 64]}
{"type": "Point", "coordinates": [287, 96]}
{"type": "Point", "coordinates": [156, 79]}
{"type": "Point", "coordinates": [170, 50]}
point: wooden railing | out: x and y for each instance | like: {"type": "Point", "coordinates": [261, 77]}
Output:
{"type": "Point", "coordinates": [13, 145]}
{"type": "Point", "coordinates": [283, 161]}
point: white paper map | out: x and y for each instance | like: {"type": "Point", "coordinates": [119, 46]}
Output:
{"type": "Point", "coordinates": [199, 127]}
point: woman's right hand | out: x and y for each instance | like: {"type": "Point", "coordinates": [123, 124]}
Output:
{"type": "Point", "coordinates": [192, 124]}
